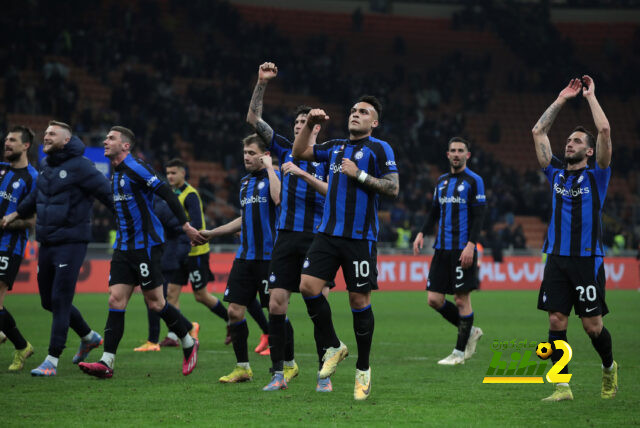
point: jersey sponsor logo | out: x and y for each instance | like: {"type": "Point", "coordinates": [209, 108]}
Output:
{"type": "Point", "coordinates": [16, 184]}
{"type": "Point", "coordinates": [481, 198]}
{"type": "Point", "coordinates": [63, 174]}
{"type": "Point", "coordinates": [119, 197]}
{"type": "Point", "coordinates": [151, 180]}
{"type": "Point", "coordinates": [335, 168]}
{"type": "Point", "coordinates": [8, 196]}
{"type": "Point", "coordinates": [570, 192]}
{"type": "Point", "coordinates": [452, 200]}
{"type": "Point", "coordinates": [253, 200]}
{"type": "Point", "coordinates": [390, 163]}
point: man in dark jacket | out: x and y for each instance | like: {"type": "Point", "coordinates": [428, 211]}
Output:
{"type": "Point", "coordinates": [63, 198]}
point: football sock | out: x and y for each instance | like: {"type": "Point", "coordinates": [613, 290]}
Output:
{"type": "Point", "coordinates": [450, 312]}
{"type": "Point", "coordinates": [363, 324]}
{"type": "Point", "coordinates": [464, 329]}
{"type": "Point", "coordinates": [319, 348]}
{"type": "Point", "coordinates": [53, 360]}
{"type": "Point", "coordinates": [174, 321]}
{"type": "Point", "coordinates": [154, 326]}
{"type": "Point", "coordinates": [277, 339]}
{"type": "Point", "coordinates": [172, 335]}
{"type": "Point", "coordinates": [108, 359]}
{"type": "Point", "coordinates": [602, 344]}
{"type": "Point", "coordinates": [114, 330]}
{"type": "Point", "coordinates": [239, 334]}
{"type": "Point", "coordinates": [256, 312]}
{"type": "Point", "coordinates": [288, 341]}
{"type": "Point", "coordinates": [9, 328]}
{"type": "Point", "coordinates": [557, 353]}
{"type": "Point", "coordinates": [320, 312]}
{"type": "Point", "coordinates": [220, 311]}
{"type": "Point", "coordinates": [88, 336]}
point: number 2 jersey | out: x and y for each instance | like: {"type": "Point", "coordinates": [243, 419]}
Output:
{"type": "Point", "coordinates": [15, 185]}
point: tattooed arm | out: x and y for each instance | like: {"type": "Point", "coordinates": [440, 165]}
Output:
{"type": "Point", "coordinates": [541, 129]}
{"type": "Point", "coordinates": [389, 185]}
{"type": "Point", "coordinates": [266, 72]}
{"type": "Point", "coordinates": [603, 142]}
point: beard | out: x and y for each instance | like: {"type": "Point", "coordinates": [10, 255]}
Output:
{"type": "Point", "coordinates": [575, 158]}
{"type": "Point", "coordinates": [13, 156]}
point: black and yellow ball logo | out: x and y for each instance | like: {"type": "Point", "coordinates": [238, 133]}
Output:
{"type": "Point", "coordinates": [544, 350]}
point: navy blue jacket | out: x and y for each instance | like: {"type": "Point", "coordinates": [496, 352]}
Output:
{"type": "Point", "coordinates": [177, 245]}
{"type": "Point", "coordinates": [64, 194]}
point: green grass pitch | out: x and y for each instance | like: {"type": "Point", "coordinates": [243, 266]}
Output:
{"type": "Point", "coordinates": [408, 387]}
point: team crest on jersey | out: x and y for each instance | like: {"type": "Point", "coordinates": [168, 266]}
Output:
{"type": "Point", "coordinates": [3, 172]}
{"type": "Point", "coordinates": [122, 182]}
{"type": "Point", "coordinates": [358, 155]}
{"type": "Point", "coordinates": [261, 185]}
{"type": "Point", "coordinates": [445, 182]}
{"type": "Point", "coordinates": [580, 179]}
{"type": "Point", "coordinates": [272, 278]}
{"type": "Point", "coordinates": [315, 163]}
{"type": "Point", "coordinates": [63, 174]}
{"type": "Point", "coordinates": [16, 184]}
{"type": "Point", "coordinates": [306, 263]}
{"type": "Point", "coordinates": [461, 188]}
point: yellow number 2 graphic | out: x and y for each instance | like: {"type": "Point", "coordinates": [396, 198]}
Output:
{"type": "Point", "coordinates": [554, 375]}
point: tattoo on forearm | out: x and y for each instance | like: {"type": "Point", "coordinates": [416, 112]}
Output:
{"type": "Point", "coordinates": [544, 152]}
{"type": "Point", "coordinates": [264, 131]}
{"type": "Point", "coordinates": [547, 118]}
{"type": "Point", "coordinates": [389, 185]}
{"type": "Point", "coordinates": [256, 99]}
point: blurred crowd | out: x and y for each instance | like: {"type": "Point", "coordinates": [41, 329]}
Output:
{"type": "Point", "coordinates": [168, 90]}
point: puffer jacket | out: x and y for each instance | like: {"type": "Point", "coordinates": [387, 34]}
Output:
{"type": "Point", "coordinates": [64, 194]}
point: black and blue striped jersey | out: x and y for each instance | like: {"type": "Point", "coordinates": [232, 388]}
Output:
{"type": "Point", "coordinates": [15, 185]}
{"type": "Point", "coordinates": [133, 184]}
{"type": "Point", "coordinates": [259, 216]}
{"type": "Point", "coordinates": [351, 209]}
{"type": "Point", "coordinates": [301, 206]}
{"type": "Point", "coordinates": [575, 228]}
{"type": "Point", "coordinates": [453, 199]}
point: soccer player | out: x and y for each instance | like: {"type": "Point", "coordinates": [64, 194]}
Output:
{"type": "Point", "coordinates": [259, 200]}
{"type": "Point", "coordinates": [62, 200]}
{"type": "Point", "coordinates": [137, 250]}
{"type": "Point", "coordinates": [303, 191]}
{"type": "Point", "coordinates": [17, 180]}
{"type": "Point", "coordinates": [361, 169]}
{"type": "Point", "coordinates": [176, 248]}
{"type": "Point", "coordinates": [574, 273]}
{"type": "Point", "coordinates": [459, 204]}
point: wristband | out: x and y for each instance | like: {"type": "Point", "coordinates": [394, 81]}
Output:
{"type": "Point", "coordinates": [362, 176]}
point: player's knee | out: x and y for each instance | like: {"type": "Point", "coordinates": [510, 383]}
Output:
{"type": "Point", "coordinates": [593, 329]}
{"type": "Point", "coordinates": [359, 300]}
{"type": "Point", "coordinates": [235, 313]}
{"type": "Point", "coordinates": [435, 301]}
{"type": "Point", "coordinates": [557, 321]}
{"type": "Point", "coordinates": [117, 302]}
{"type": "Point", "coordinates": [201, 297]}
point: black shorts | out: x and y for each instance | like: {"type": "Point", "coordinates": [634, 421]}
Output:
{"type": "Point", "coordinates": [193, 269]}
{"type": "Point", "coordinates": [287, 259]}
{"type": "Point", "coordinates": [9, 268]}
{"type": "Point", "coordinates": [572, 281]}
{"type": "Point", "coordinates": [357, 257]}
{"type": "Point", "coordinates": [246, 279]}
{"type": "Point", "coordinates": [137, 267]}
{"type": "Point", "coordinates": [446, 275]}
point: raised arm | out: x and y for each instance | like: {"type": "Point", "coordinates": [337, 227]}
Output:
{"type": "Point", "coordinates": [603, 142]}
{"type": "Point", "coordinates": [303, 144]}
{"type": "Point", "coordinates": [266, 72]}
{"type": "Point", "coordinates": [541, 129]}
{"type": "Point", "coordinates": [274, 180]}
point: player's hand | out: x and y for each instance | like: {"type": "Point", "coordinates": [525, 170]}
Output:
{"type": "Point", "coordinates": [589, 88]}
{"type": "Point", "coordinates": [208, 235]}
{"type": "Point", "coordinates": [6, 220]}
{"type": "Point", "coordinates": [349, 168]}
{"type": "Point", "coordinates": [466, 258]}
{"type": "Point", "coordinates": [572, 89]}
{"type": "Point", "coordinates": [267, 71]}
{"type": "Point", "coordinates": [291, 168]}
{"type": "Point", "coordinates": [418, 243]}
{"type": "Point", "coordinates": [316, 116]}
{"type": "Point", "coordinates": [267, 161]}
{"type": "Point", "coordinates": [193, 234]}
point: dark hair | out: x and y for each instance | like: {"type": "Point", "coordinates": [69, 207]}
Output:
{"type": "Point", "coordinates": [126, 135]}
{"type": "Point", "coordinates": [302, 109]}
{"type": "Point", "coordinates": [176, 162]}
{"type": "Point", "coordinates": [26, 134]}
{"type": "Point", "coordinates": [370, 99]}
{"type": "Point", "coordinates": [254, 138]}
{"type": "Point", "coordinates": [459, 140]}
{"type": "Point", "coordinates": [61, 125]}
{"type": "Point", "coordinates": [591, 140]}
